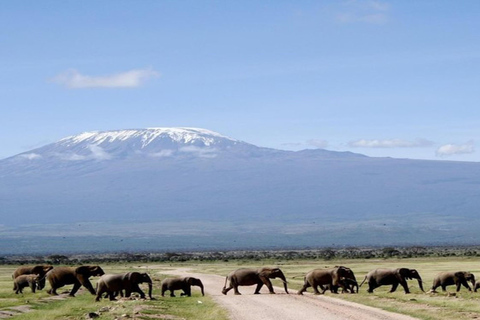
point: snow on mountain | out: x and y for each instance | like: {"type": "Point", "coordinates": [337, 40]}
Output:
{"type": "Point", "coordinates": [193, 136]}
{"type": "Point", "coordinates": [150, 142]}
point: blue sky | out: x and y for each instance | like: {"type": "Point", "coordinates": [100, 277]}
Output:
{"type": "Point", "coordinates": [382, 78]}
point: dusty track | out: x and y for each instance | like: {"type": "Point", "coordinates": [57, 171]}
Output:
{"type": "Point", "coordinates": [282, 306]}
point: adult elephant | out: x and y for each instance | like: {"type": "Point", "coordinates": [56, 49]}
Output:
{"type": "Point", "coordinates": [393, 277]}
{"type": "Point", "coordinates": [40, 270]}
{"type": "Point", "coordinates": [61, 276]}
{"type": "Point", "coordinates": [250, 277]}
{"type": "Point", "coordinates": [458, 278]}
{"type": "Point", "coordinates": [331, 278]}
{"type": "Point", "coordinates": [113, 283]}
{"type": "Point", "coordinates": [184, 284]}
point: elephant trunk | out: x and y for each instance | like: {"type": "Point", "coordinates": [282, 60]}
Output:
{"type": "Point", "coordinates": [282, 276]}
{"type": "Point", "coordinates": [150, 290]}
{"type": "Point", "coordinates": [201, 288]}
{"type": "Point", "coordinates": [420, 284]}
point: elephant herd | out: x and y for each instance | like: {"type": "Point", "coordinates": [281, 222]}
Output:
{"type": "Point", "coordinates": [342, 277]}
{"type": "Point", "coordinates": [108, 285]}
{"type": "Point", "coordinates": [112, 285]}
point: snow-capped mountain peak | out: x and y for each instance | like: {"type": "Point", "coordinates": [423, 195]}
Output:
{"type": "Point", "coordinates": [158, 142]}
{"type": "Point", "coordinates": [146, 136]}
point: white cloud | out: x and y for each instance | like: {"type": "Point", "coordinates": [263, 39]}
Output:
{"type": "Point", "coordinates": [454, 149]}
{"type": "Point", "coordinates": [318, 143]}
{"type": "Point", "coordinates": [31, 156]}
{"type": "Point", "coordinates": [162, 154]}
{"type": "Point", "coordinates": [75, 80]}
{"type": "Point", "coordinates": [98, 153]}
{"type": "Point", "coordinates": [200, 152]}
{"type": "Point", "coordinates": [366, 11]}
{"type": "Point", "coordinates": [390, 143]}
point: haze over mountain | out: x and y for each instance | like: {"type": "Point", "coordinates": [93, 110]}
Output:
{"type": "Point", "coordinates": [170, 188]}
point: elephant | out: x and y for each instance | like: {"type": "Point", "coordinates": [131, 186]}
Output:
{"type": "Point", "coordinates": [115, 283]}
{"type": "Point", "coordinates": [25, 280]}
{"type": "Point", "coordinates": [249, 277]}
{"type": "Point", "coordinates": [41, 270]}
{"type": "Point", "coordinates": [477, 285]}
{"type": "Point", "coordinates": [184, 284]}
{"type": "Point", "coordinates": [458, 278]}
{"type": "Point", "coordinates": [61, 276]}
{"type": "Point", "coordinates": [394, 277]}
{"type": "Point", "coordinates": [348, 280]}
{"type": "Point", "coordinates": [332, 278]}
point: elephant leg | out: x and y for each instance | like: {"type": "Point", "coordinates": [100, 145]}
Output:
{"type": "Point", "coordinates": [465, 284]}
{"type": "Point", "coordinates": [269, 285]}
{"type": "Point", "coordinates": [324, 289]}
{"type": "Point", "coordinates": [187, 291]}
{"type": "Point", "coordinates": [444, 287]}
{"type": "Point", "coordinates": [405, 286]}
{"type": "Point", "coordinates": [235, 290]}
{"type": "Point", "coordinates": [75, 288]}
{"type": "Point", "coordinates": [306, 285]}
{"type": "Point", "coordinates": [225, 290]}
{"type": "Point", "coordinates": [136, 288]}
{"type": "Point", "coordinates": [304, 288]}
{"type": "Point", "coordinates": [315, 289]}
{"type": "Point", "coordinates": [259, 286]}
{"type": "Point", "coordinates": [394, 287]}
{"type": "Point", "coordinates": [53, 291]}
{"type": "Point", "coordinates": [371, 287]}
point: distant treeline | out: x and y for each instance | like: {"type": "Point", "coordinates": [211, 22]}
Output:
{"type": "Point", "coordinates": [310, 254]}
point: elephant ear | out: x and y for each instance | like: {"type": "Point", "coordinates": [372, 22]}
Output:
{"type": "Point", "coordinates": [267, 272]}
{"type": "Point", "coordinates": [133, 277]}
{"type": "Point", "coordinates": [460, 275]}
{"type": "Point", "coordinates": [83, 270]}
{"type": "Point", "coordinates": [404, 273]}
{"type": "Point", "coordinates": [188, 280]}
{"type": "Point", "coordinates": [37, 270]}
{"type": "Point", "coordinates": [96, 271]}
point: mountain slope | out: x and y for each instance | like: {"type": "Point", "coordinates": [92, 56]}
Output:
{"type": "Point", "coordinates": [197, 178]}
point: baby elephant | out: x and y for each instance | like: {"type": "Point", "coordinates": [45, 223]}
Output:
{"type": "Point", "coordinates": [184, 284]}
{"type": "Point", "coordinates": [25, 280]}
{"type": "Point", "coordinates": [458, 278]}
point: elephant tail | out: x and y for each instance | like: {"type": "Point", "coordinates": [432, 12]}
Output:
{"type": "Point", "coordinates": [363, 281]}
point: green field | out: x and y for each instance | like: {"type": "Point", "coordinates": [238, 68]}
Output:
{"type": "Point", "coordinates": [462, 305]}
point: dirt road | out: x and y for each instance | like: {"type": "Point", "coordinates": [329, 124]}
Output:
{"type": "Point", "coordinates": [282, 306]}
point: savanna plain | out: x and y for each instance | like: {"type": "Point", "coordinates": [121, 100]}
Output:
{"type": "Point", "coordinates": [440, 305]}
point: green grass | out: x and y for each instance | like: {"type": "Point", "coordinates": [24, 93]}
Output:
{"type": "Point", "coordinates": [43, 308]}
{"type": "Point", "coordinates": [464, 305]}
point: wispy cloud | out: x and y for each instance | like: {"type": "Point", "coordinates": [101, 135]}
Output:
{"type": "Point", "coordinates": [200, 152]}
{"type": "Point", "coordinates": [134, 78]}
{"type": "Point", "coordinates": [31, 156]}
{"type": "Point", "coordinates": [96, 153]}
{"type": "Point", "coordinates": [455, 149]}
{"type": "Point", "coordinates": [162, 154]}
{"type": "Point", "coordinates": [390, 143]}
{"type": "Point", "coordinates": [364, 11]}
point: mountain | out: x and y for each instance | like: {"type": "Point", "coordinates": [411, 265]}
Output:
{"type": "Point", "coordinates": [184, 188]}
